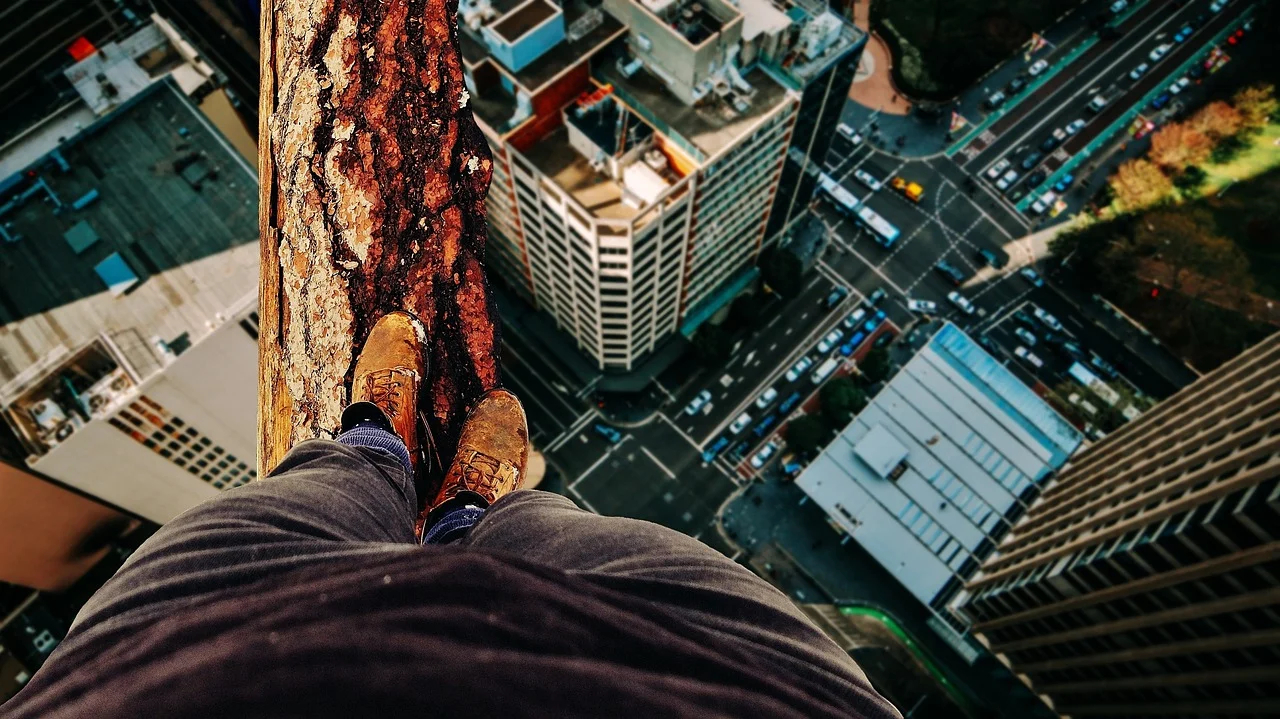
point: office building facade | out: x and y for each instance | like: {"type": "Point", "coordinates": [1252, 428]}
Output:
{"type": "Point", "coordinates": [638, 148]}
{"type": "Point", "coordinates": [1145, 581]}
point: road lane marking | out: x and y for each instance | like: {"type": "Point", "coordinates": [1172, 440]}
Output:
{"type": "Point", "coordinates": [663, 467]}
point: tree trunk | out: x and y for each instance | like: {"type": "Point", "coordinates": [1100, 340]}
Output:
{"type": "Point", "coordinates": [373, 176]}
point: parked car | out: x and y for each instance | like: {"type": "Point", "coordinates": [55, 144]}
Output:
{"type": "Point", "coordinates": [824, 370]}
{"type": "Point", "coordinates": [609, 433]}
{"type": "Point", "coordinates": [764, 426]}
{"type": "Point", "coordinates": [1025, 355]}
{"type": "Point", "coordinates": [766, 398]}
{"type": "Point", "coordinates": [1038, 67]}
{"type": "Point", "coordinates": [1015, 85]}
{"type": "Point", "coordinates": [1159, 52]}
{"type": "Point", "coordinates": [1025, 319]}
{"type": "Point", "coordinates": [1179, 85]}
{"type": "Point", "coordinates": [876, 297]}
{"type": "Point", "coordinates": [740, 423]}
{"type": "Point", "coordinates": [855, 317]}
{"type": "Point", "coordinates": [715, 448]}
{"type": "Point", "coordinates": [1074, 126]}
{"type": "Point", "coordinates": [1031, 160]}
{"type": "Point", "coordinates": [1036, 178]}
{"type": "Point", "coordinates": [1139, 71]}
{"type": "Point", "coordinates": [836, 296]}
{"type": "Point", "coordinates": [1161, 101]}
{"type": "Point", "coordinates": [849, 133]}
{"type": "Point", "coordinates": [924, 307]}
{"type": "Point", "coordinates": [789, 403]}
{"type": "Point", "coordinates": [1217, 5]}
{"type": "Point", "coordinates": [866, 178]}
{"type": "Point", "coordinates": [1118, 6]}
{"type": "Point", "coordinates": [1027, 337]}
{"type": "Point", "coordinates": [764, 454]}
{"type": "Point", "coordinates": [990, 258]}
{"type": "Point", "coordinates": [1049, 320]}
{"type": "Point", "coordinates": [799, 368]}
{"type": "Point", "coordinates": [1069, 350]}
{"type": "Point", "coordinates": [949, 271]}
{"type": "Point", "coordinates": [1007, 181]}
{"type": "Point", "coordinates": [698, 402]}
{"type": "Point", "coordinates": [848, 348]}
{"type": "Point", "coordinates": [1031, 276]}
{"type": "Point", "coordinates": [1064, 183]}
{"type": "Point", "coordinates": [1043, 203]}
{"type": "Point", "coordinates": [995, 100]}
{"type": "Point", "coordinates": [994, 171]}
{"type": "Point", "coordinates": [831, 340]}
{"type": "Point", "coordinates": [961, 302]}
{"type": "Point", "coordinates": [1103, 366]}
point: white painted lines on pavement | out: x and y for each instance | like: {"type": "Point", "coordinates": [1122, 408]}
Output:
{"type": "Point", "coordinates": [661, 466]}
{"type": "Point", "coordinates": [607, 454]}
{"type": "Point", "coordinates": [680, 432]}
{"type": "Point", "coordinates": [583, 501]}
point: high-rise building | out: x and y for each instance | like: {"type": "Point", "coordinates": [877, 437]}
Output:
{"type": "Point", "coordinates": [128, 282]}
{"type": "Point", "coordinates": [1145, 580]}
{"type": "Point", "coordinates": [638, 148]}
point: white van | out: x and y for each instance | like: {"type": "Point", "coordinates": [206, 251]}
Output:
{"type": "Point", "coordinates": [824, 370]}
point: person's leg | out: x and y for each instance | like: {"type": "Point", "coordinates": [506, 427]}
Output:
{"type": "Point", "coordinates": [327, 499]}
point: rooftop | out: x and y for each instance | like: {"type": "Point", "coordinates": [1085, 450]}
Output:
{"type": "Point", "coordinates": [143, 225]}
{"type": "Point", "coordinates": [927, 477]}
{"type": "Point", "coordinates": [708, 127]}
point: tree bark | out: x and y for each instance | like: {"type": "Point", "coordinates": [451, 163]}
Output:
{"type": "Point", "coordinates": [373, 177]}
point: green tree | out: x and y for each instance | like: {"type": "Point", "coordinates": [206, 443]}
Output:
{"type": "Point", "coordinates": [1191, 179]}
{"type": "Point", "coordinates": [875, 366]}
{"type": "Point", "coordinates": [841, 398]}
{"type": "Point", "coordinates": [782, 272]}
{"type": "Point", "coordinates": [712, 344]}
{"type": "Point", "coordinates": [1138, 183]}
{"type": "Point", "coordinates": [807, 433]}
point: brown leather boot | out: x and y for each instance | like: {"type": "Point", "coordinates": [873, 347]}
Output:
{"type": "Point", "coordinates": [389, 371]}
{"type": "Point", "coordinates": [492, 451]}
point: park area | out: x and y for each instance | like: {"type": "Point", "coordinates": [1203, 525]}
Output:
{"type": "Point", "coordinates": [941, 47]}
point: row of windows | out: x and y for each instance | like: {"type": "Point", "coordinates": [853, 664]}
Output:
{"type": "Point", "coordinates": [158, 429]}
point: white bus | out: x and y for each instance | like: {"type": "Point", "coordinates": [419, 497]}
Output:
{"type": "Point", "coordinates": [884, 232]}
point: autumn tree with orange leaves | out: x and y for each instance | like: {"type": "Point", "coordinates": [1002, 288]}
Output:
{"type": "Point", "coordinates": [1176, 146]}
{"type": "Point", "coordinates": [1139, 183]}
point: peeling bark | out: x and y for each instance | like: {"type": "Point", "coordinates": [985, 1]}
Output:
{"type": "Point", "coordinates": [373, 177]}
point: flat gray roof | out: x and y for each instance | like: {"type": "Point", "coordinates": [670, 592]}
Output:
{"type": "Point", "coordinates": [174, 200]}
{"type": "Point", "coordinates": [977, 442]}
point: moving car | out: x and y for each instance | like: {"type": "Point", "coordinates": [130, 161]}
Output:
{"type": "Point", "coordinates": [1103, 366]}
{"type": "Point", "coordinates": [1037, 67]}
{"type": "Point", "coordinates": [1118, 6]}
{"type": "Point", "coordinates": [1025, 319]}
{"type": "Point", "coordinates": [1053, 140]}
{"type": "Point", "coordinates": [1159, 52]}
{"type": "Point", "coordinates": [1097, 103]}
{"type": "Point", "coordinates": [855, 317]}
{"type": "Point", "coordinates": [924, 307]}
{"type": "Point", "coordinates": [766, 398]}
{"type": "Point", "coordinates": [1031, 160]}
{"type": "Point", "coordinates": [1139, 71]}
{"type": "Point", "coordinates": [764, 454]}
{"type": "Point", "coordinates": [1025, 335]}
{"type": "Point", "coordinates": [949, 271]}
{"type": "Point", "coordinates": [798, 368]}
{"type": "Point", "coordinates": [995, 100]}
{"type": "Point", "coordinates": [1031, 276]}
{"type": "Point", "coordinates": [609, 433]}
{"type": "Point", "coordinates": [715, 449]}
{"type": "Point", "coordinates": [911, 190]}
{"type": "Point", "coordinates": [1075, 126]}
{"type": "Point", "coordinates": [831, 340]}
{"type": "Point", "coordinates": [994, 171]}
{"type": "Point", "coordinates": [1217, 5]}
{"type": "Point", "coordinates": [740, 423]}
{"type": "Point", "coordinates": [1007, 181]}
{"type": "Point", "coordinates": [836, 296]}
{"type": "Point", "coordinates": [961, 302]}
{"type": "Point", "coordinates": [990, 258]}
{"type": "Point", "coordinates": [1183, 34]}
{"type": "Point", "coordinates": [1049, 320]}
{"type": "Point", "coordinates": [849, 133]}
{"type": "Point", "coordinates": [698, 402]}
{"type": "Point", "coordinates": [1025, 355]}
{"type": "Point", "coordinates": [865, 178]}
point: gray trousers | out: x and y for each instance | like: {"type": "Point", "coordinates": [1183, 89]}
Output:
{"type": "Point", "coordinates": [327, 501]}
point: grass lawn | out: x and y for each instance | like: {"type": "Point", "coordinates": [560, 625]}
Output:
{"type": "Point", "coordinates": [1262, 155]}
{"type": "Point", "coordinates": [942, 46]}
